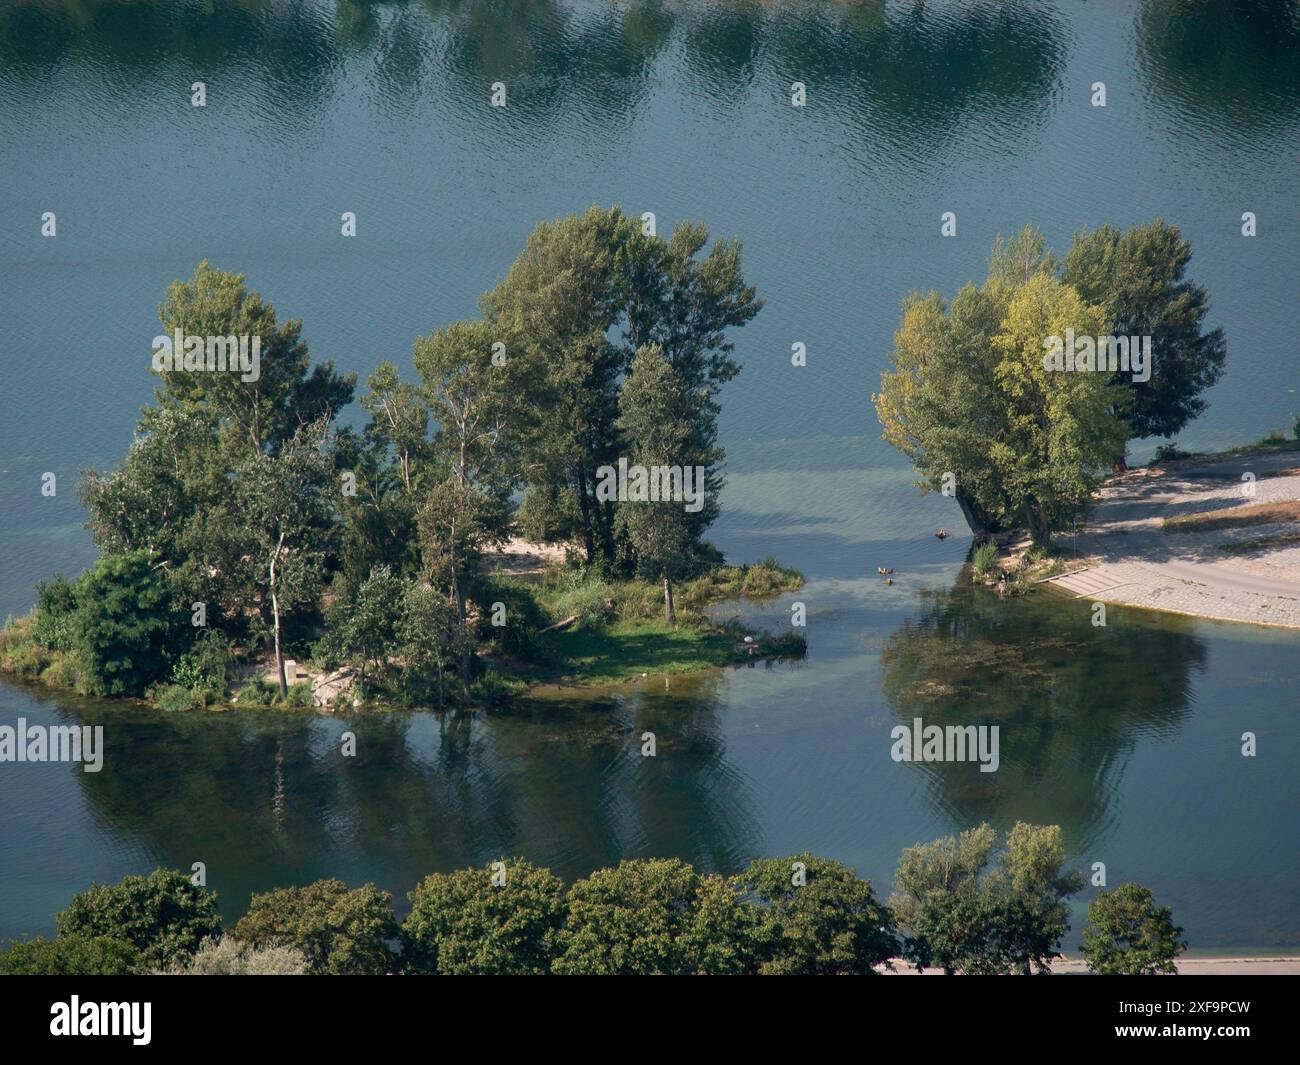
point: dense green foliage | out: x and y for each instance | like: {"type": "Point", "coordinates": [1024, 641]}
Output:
{"type": "Point", "coordinates": [1127, 934]}
{"type": "Point", "coordinates": [969, 396]}
{"type": "Point", "coordinates": [244, 526]}
{"type": "Point", "coordinates": [71, 955]}
{"type": "Point", "coordinates": [500, 921]}
{"type": "Point", "coordinates": [961, 916]}
{"type": "Point", "coordinates": [339, 931]}
{"type": "Point", "coordinates": [163, 916]}
{"type": "Point", "coordinates": [953, 908]}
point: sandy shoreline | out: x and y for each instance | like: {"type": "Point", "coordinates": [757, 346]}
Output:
{"type": "Point", "coordinates": [1261, 966]}
{"type": "Point", "coordinates": [1131, 560]}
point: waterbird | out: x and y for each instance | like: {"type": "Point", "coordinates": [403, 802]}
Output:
{"type": "Point", "coordinates": [942, 534]}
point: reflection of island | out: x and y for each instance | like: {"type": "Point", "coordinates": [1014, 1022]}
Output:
{"type": "Point", "coordinates": [1071, 699]}
{"type": "Point", "coordinates": [1230, 68]}
{"type": "Point", "coordinates": [897, 71]}
{"type": "Point", "coordinates": [268, 799]}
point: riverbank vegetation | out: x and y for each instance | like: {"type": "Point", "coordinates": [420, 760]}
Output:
{"type": "Point", "coordinates": [247, 530]}
{"type": "Point", "coordinates": [961, 905]}
{"type": "Point", "coordinates": [971, 400]}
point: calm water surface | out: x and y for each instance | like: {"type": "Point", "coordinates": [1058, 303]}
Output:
{"type": "Point", "coordinates": [1127, 736]}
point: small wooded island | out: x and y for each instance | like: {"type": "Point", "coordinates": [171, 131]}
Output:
{"type": "Point", "coordinates": [247, 531]}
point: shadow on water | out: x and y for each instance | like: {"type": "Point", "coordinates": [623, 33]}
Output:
{"type": "Point", "coordinates": [1226, 69]}
{"type": "Point", "coordinates": [897, 70]}
{"type": "Point", "coordinates": [1071, 700]}
{"type": "Point", "coordinates": [267, 798]}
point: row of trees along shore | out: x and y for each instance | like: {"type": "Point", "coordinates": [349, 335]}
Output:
{"type": "Point", "coordinates": [968, 394]}
{"type": "Point", "coordinates": [245, 500]}
{"type": "Point", "coordinates": [959, 906]}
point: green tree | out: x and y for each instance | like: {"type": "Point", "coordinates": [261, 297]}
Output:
{"type": "Point", "coordinates": [960, 915]}
{"type": "Point", "coordinates": [429, 638]}
{"type": "Point", "coordinates": [69, 956]}
{"type": "Point", "coordinates": [970, 395]}
{"type": "Point", "coordinates": [471, 923]}
{"type": "Point", "coordinates": [364, 627]}
{"type": "Point", "coordinates": [664, 425]}
{"type": "Point", "coordinates": [257, 415]}
{"type": "Point", "coordinates": [587, 292]}
{"type": "Point", "coordinates": [638, 919]}
{"type": "Point", "coordinates": [124, 624]}
{"type": "Point", "coordinates": [163, 916]}
{"type": "Point", "coordinates": [1138, 279]}
{"type": "Point", "coordinates": [1033, 885]}
{"type": "Point", "coordinates": [472, 468]}
{"type": "Point", "coordinates": [340, 931]}
{"type": "Point", "coordinates": [286, 506]}
{"type": "Point", "coordinates": [1127, 934]}
{"type": "Point", "coordinates": [816, 917]}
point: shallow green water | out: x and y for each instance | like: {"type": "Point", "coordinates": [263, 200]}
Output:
{"type": "Point", "coordinates": [1128, 736]}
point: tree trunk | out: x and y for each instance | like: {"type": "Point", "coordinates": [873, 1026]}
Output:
{"type": "Point", "coordinates": [466, 655]}
{"type": "Point", "coordinates": [1038, 527]}
{"type": "Point", "coordinates": [977, 518]}
{"type": "Point", "coordinates": [670, 615]}
{"type": "Point", "coordinates": [275, 611]}
{"type": "Point", "coordinates": [584, 506]}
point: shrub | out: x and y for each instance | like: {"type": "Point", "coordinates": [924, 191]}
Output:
{"type": "Point", "coordinates": [259, 692]}
{"type": "Point", "coordinates": [1127, 934]}
{"type": "Point", "coordinates": [52, 625]}
{"type": "Point", "coordinates": [69, 956]}
{"type": "Point", "coordinates": [174, 697]}
{"type": "Point", "coordinates": [589, 597]}
{"type": "Point", "coordinates": [123, 624]}
{"type": "Point", "coordinates": [832, 924]}
{"type": "Point", "coordinates": [229, 957]}
{"type": "Point", "coordinates": [300, 695]}
{"type": "Point", "coordinates": [339, 931]}
{"type": "Point", "coordinates": [524, 618]}
{"type": "Point", "coordinates": [468, 923]}
{"type": "Point", "coordinates": [984, 561]}
{"type": "Point", "coordinates": [1169, 452]}
{"type": "Point", "coordinates": [205, 666]}
{"type": "Point", "coordinates": [163, 915]}
{"type": "Point", "coordinates": [653, 917]}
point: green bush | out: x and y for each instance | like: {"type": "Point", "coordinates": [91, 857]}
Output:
{"type": "Point", "coordinates": [69, 956]}
{"type": "Point", "coordinates": [984, 561]}
{"type": "Point", "coordinates": [258, 692]}
{"type": "Point", "coordinates": [123, 625]}
{"type": "Point", "coordinates": [300, 695]}
{"type": "Point", "coordinates": [1169, 452]}
{"type": "Point", "coordinates": [589, 597]}
{"type": "Point", "coordinates": [52, 625]}
{"type": "Point", "coordinates": [205, 666]}
{"type": "Point", "coordinates": [339, 931]}
{"type": "Point", "coordinates": [475, 922]}
{"type": "Point", "coordinates": [174, 697]}
{"type": "Point", "coordinates": [163, 915]}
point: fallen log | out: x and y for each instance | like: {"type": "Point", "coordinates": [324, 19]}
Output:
{"type": "Point", "coordinates": [559, 624]}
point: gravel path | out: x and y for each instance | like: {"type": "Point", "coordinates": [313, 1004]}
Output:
{"type": "Point", "coordinates": [1133, 562]}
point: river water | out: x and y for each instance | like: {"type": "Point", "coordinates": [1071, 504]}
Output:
{"type": "Point", "coordinates": [1128, 736]}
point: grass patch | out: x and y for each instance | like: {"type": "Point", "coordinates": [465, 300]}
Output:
{"type": "Point", "coordinates": [1261, 543]}
{"type": "Point", "coordinates": [1234, 517]}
